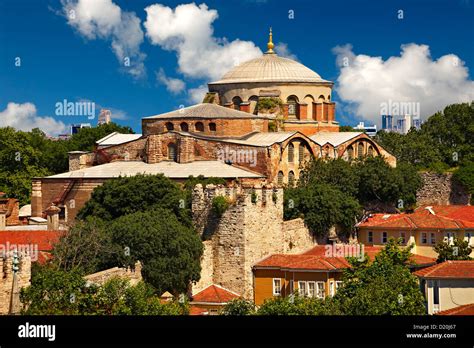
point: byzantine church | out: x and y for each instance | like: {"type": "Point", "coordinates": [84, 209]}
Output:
{"type": "Point", "coordinates": [258, 124]}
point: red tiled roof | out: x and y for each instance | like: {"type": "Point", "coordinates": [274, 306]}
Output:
{"type": "Point", "coordinates": [193, 310]}
{"type": "Point", "coordinates": [445, 217]}
{"type": "Point", "coordinates": [44, 240]}
{"type": "Point", "coordinates": [467, 309]}
{"type": "Point", "coordinates": [316, 259]}
{"type": "Point", "coordinates": [214, 294]}
{"type": "Point", "coordinates": [448, 269]}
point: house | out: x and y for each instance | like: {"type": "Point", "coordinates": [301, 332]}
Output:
{"type": "Point", "coordinates": [211, 300]}
{"type": "Point", "coordinates": [461, 310]}
{"type": "Point", "coordinates": [424, 228]}
{"type": "Point", "coordinates": [314, 273]}
{"type": "Point", "coordinates": [448, 286]}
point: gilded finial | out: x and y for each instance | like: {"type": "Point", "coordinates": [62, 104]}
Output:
{"type": "Point", "coordinates": [270, 44]}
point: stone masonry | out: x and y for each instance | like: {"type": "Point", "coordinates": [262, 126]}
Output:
{"type": "Point", "coordinates": [8, 285]}
{"type": "Point", "coordinates": [251, 229]}
{"type": "Point", "coordinates": [441, 189]}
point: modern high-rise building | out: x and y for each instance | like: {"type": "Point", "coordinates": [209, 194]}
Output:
{"type": "Point", "coordinates": [371, 131]}
{"type": "Point", "coordinates": [75, 128]}
{"type": "Point", "coordinates": [417, 122]}
{"type": "Point", "coordinates": [387, 122]}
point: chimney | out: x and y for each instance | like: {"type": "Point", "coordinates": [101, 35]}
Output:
{"type": "Point", "coordinates": [3, 219]}
{"type": "Point", "coordinates": [53, 217]}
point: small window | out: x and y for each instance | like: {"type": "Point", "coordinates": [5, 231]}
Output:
{"type": "Point", "coordinates": [276, 286]}
{"type": "Point", "coordinates": [199, 127]}
{"type": "Point", "coordinates": [424, 238]}
{"type": "Point", "coordinates": [350, 152]}
{"type": "Point", "coordinates": [184, 127]}
{"type": "Point", "coordinates": [301, 153]}
{"type": "Point", "coordinates": [403, 237]}
{"type": "Point", "coordinates": [384, 237]}
{"type": "Point", "coordinates": [302, 289]}
{"type": "Point", "coordinates": [468, 237]}
{"type": "Point", "coordinates": [237, 101]}
{"type": "Point", "coordinates": [280, 178]}
{"type": "Point", "coordinates": [212, 127]}
{"type": "Point", "coordinates": [332, 289]}
{"type": "Point", "coordinates": [320, 293]}
{"type": "Point", "coordinates": [435, 292]}
{"type": "Point", "coordinates": [370, 237]}
{"type": "Point", "coordinates": [370, 151]}
{"type": "Point", "coordinates": [291, 179]}
{"type": "Point", "coordinates": [311, 289]}
{"type": "Point", "coordinates": [432, 238]}
{"type": "Point", "coordinates": [291, 153]}
{"type": "Point", "coordinates": [292, 100]}
{"type": "Point", "coordinates": [449, 238]}
{"type": "Point", "coordinates": [169, 126]}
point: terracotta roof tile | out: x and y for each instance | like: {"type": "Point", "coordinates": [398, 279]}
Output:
{"type": "Point", "coordinates": [448, 269]}
{"type": "Point", "coordinates": [467, 309]}
{"type": "Point", "coordinates": [214, 294]}
{"type": "Point", "coordinates": [43, 239]}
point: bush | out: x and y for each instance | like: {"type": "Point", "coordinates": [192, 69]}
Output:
{"type": "Point", "coordinates": [239, 306]}
{"type": "Point", "coordinates": [219, 205]}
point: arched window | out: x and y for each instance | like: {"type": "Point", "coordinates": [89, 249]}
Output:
{"type": "Point", "coordinates": [291, 179]}
{"type": "Point", "coordinates": [301, 153]}
{"type": "Point", "coordinates": [199, 127]}
{"type": "Point", "coordinates": [350, 152]}
{"type": "Point", "coordinates": [326, 151]}
{"type": "Point", "coordinates": [253, 104]}
{"type": "Point", "coordinates": [280, 178]}
{"type": "Point", "coordinates": [169, 126]}
{"type": "Point", "coordinates": [237, 101]}
{"type": "Point", "coordinates": [360, 150]}
{"type": "Point", "coordinates": [184, 127]}
{"type": "Point", "coordinates": [291, 153]}
{"type": "Point", "coordinates": [329, 97]}
{"type": "Point", "coordinates": [172, 152]}
{"type": "Point", "coordinates": [309, 100]}
{"type": "Point", "coordinates": [370, 151]}
{"type": "Point", "coordinates": [321, 98]}
{"type": "Point", "coordinates": [212, 127]}
{"type": "Point", "coordinates": [292, 101]}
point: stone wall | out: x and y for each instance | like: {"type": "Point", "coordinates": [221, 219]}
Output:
{"type": "Point", "coordinates": [133, 275]}
{"type": "Point", "coordinates": [441, 189]}
{"type": "Point", "coordinates": [251, 229]}
{"type": "Point", "coordinates": [9, 285]}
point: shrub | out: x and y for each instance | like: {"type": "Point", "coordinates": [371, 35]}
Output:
{"type": "Point", "coordinates": [219, 205]}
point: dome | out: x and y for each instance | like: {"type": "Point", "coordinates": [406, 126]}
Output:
{"type": "Point", "coordinates": [270, 68]}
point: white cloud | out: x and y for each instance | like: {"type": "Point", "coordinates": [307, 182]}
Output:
{"type": "Point", "coordinates": [196, 95]}
{"type": "Point", "coordinates": [282, 50]}
{"type": "Point", "coordinates": [24, 117]}
{"type": "Point", "coordinates": [173, 85]}
{"type": "Point", "coordinates": [188, 31]}
{"type": "Point", "coordinates": [103, 19]}
{"type": "Point", "coordinates": [366, 83]}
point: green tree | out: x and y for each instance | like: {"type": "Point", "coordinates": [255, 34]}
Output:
{"type": "Point", "coordinates": [86, 138]}
{"type": "Point", "coordinates": [457, 250]}
{"type": "Point", "coordinates": [239, 306]}
{"type": "Point", "coordinates": [465, 175]}
{"type": "Point", "coordinates": [169, 250]}
{"type": "Point", "coordinates": [382, 287]}
{"type": "Point", "coordinates": [127, 195]}
{"type": "Point", "coordinates": [297, 305]}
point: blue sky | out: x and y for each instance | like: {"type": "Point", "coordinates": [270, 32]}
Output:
{"type": "Point", "coordinates": [59, 61]}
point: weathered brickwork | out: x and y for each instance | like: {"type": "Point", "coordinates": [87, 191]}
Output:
{"type": "Point", "coordinates": [11, 208]}
{"type": "Point", "coordinates": [132, 275]}
{"type": "Point", "coordinates": [251, 229]}
{"type": "Point", "coordinates": [441, 189]}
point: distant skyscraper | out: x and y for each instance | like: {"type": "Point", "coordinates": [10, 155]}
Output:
{"type": "Point", "coordinates": [407, 124]}
{"type": "Point", "coordinates": [369, 130]}
{"type": "Point", "coordinates": [387, 122]}
{"type": "Point", "coordinates": [104, 116]}
{"type": "Point", "coordinates": [417, 123]}
{"type": "Point", "coordinates": [75, 128]}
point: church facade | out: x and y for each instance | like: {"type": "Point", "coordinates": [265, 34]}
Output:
{"type": "Point", "coordinates": [258, 124]}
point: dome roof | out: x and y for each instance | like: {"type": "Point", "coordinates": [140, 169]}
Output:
{"type": "Point", "coordinates": [270, 68]}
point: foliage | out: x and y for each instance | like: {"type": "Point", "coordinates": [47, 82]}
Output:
{"type": "Point", "coordinates": [322, 206]}
{"type": "Point", "coordinates": [269, 104]}
{"type": "Point", "coordinates": [219, 205]}
{"type": "Point", "coordinates": [127, 195]}
{"type": "Point", "coordinates": [457, 250]}
{"type": "Point", "coordinates": [445, 139]}
{"type": "Point", "coordinates": [56, 292]}
{"type": "Point", "coordinates": [239, 306]}
{"type": "Point", "coordinates": [297, 305]}
{"type": "Point", "coordinates": [385, 286]}
{"type": "Point", "coordinates": [465, 175]}
{"type": "Point", "coordinates": [169, 250]}
{"type": "Point", "coordinates": [192, 181]}
{"type": "Point", "coordinates": [348, 129]}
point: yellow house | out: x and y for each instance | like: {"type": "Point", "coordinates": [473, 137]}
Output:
{"type": "Point", "coordinates": [424, 228]}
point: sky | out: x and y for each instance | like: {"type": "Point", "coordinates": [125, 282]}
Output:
{"type": "Point", "coordinates": [141, 58]}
